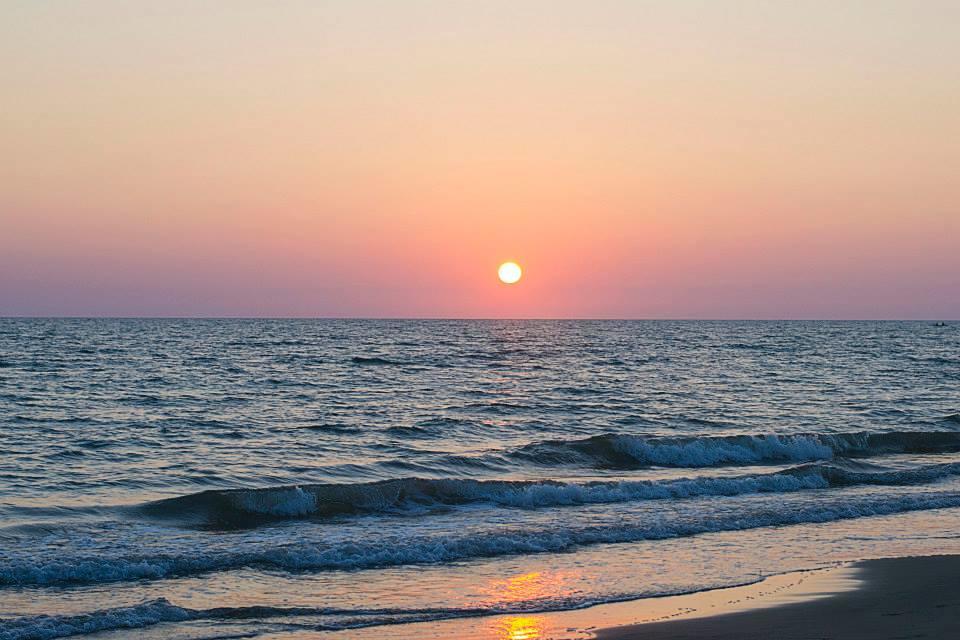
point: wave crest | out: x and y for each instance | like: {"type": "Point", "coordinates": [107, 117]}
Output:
{"type": "Point", "coordinates": [239, 508]}
{"type": "Point", "coordinates": [614, 450]}
{"type": "Point", "coordinates": [419, 550]}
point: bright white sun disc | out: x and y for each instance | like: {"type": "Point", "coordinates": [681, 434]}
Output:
{"type": "Point", "coordinates": [509, 272]}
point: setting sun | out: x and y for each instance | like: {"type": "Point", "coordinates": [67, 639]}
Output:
{"type": "Point", "coordinates": [509, 272]}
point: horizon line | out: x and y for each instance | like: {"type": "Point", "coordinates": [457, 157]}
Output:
{"type": "Point", "coordinates": [471, 319]}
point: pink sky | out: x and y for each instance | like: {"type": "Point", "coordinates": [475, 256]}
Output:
{"type": "Point", "coordinates": [638, 159]}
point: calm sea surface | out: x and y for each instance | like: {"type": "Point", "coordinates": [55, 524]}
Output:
{"type": "Point", "coordinates": [234, 478]}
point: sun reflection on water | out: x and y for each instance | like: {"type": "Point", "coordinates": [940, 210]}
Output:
{"type": "Point", "coordinates": [528, 587]}
{"type": "Point", "coordinates": [519, 628]}
{"type": "Point", "coordinates": [524, 590]}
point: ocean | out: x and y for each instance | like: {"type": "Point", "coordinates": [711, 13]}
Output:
{"type": "Point", "coordinates": [372, 478]}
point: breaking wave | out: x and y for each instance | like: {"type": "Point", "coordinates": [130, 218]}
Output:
{"type": "Point", "coordinates": [238, 508]}
{"type": "Point", "coordinates": [629, 451]}
{"type": "Point", "coordinates": [434, 549]}
{"type": "Point", "coordinates": [133, 617]}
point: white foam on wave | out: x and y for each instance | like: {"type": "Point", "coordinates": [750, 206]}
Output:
{"type": "Point", "coordinates": [708, 452]}
{"type": "Point", "coordinates": [282, 502]}
{"type": "Point", "coordinates": [431, 549]}
{"type": "Point", "coordinates": [550, 494]}
{"type": "Point", "coordinates": [248, 507]}
{"type": "Point", "coordinates": [133, 617]}
{"type": "Point", "coordinates": [626, 450]}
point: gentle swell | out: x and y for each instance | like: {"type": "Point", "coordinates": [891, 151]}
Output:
{"type": "Point", "coordinates": [240, 508]}
{"type": "Point", "coordinates": [447, 548]}
{"type": "Point", "coordinates": [362, 360]}
{"type": "Point", "coordinates": [629, 451]}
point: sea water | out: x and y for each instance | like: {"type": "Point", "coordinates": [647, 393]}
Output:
{"type": "Point", "coordinates": [225, 478]}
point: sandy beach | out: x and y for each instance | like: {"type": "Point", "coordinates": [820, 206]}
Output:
{"type": "Point", "coordinates": [893, 598]}
{"type": "Point", "coordinates": [897, 598]}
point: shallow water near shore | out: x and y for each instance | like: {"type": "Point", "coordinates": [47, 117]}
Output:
{"type": "Point", "coordinates": [199, 479]}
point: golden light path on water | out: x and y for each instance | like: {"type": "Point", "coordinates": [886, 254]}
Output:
{"type": "Point", "coordinates": [525, 587]}
{"type": "Point", "coordinates": [519, 628]}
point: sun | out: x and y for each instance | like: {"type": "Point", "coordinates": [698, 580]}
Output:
{"type": "Point", "coordinates": [509, 272]}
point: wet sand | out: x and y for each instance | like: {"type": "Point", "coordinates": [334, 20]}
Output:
{"type": "Point", "coordinates": [897, 598]}
{"type": "Point", "coordinates": [584, 624]}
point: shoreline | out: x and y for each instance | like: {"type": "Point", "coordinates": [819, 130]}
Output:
{"type": "Point", "coordinates": [916, 597]}
{"type": "Point", "coordinates": [876, 599]}
{"type": "Point", "coordinates": [597, 620]}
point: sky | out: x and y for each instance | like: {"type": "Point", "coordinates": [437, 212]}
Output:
{"type": "Point", "coordinates": [364, 158]}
